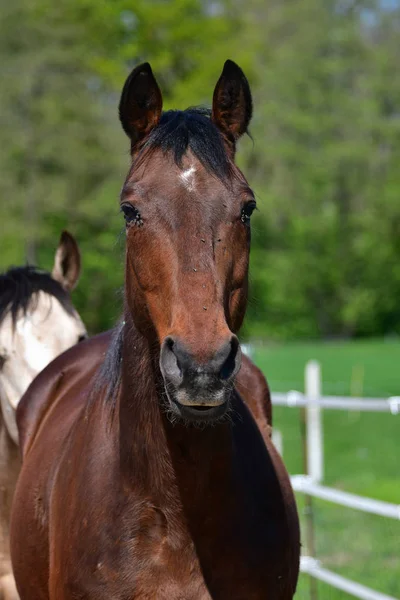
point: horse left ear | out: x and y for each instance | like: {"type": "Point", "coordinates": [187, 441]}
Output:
{"type": "Point", "coordinates": [140, 106]}
{"type": "Point", "coordinates": [67, 262]}
{"type": "Point", "coordinates": [232, 104]}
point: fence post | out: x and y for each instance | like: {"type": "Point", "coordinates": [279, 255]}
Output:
{"type": "Point", "coordinates": [315, 452]}
{"type": "Point", "coordinates": [277, 440]}
{"type": "Point", "coordinates": [312, 455]}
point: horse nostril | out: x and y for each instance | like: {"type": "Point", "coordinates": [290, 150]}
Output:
{"type": "Point", "coordinates": [169, 363]}
{"type": "Point", "coordinates": [178, 364]}
{"type": "Point", "coordinates": [231, 363]}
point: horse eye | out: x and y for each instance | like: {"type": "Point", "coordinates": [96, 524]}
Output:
{"type": "Point", "coordinates": [247, 211]}
{"type": "Point", "coordinates": [131, 215]}
{"type": "Point", "coordinates": [82, 338]}
{"type": "Point", "coordinates": [2, 361]}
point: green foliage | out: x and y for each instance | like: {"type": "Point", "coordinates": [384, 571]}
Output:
{"type": "Point", "coordinates": [325, 160]}
{"type": "Point", "coordinates": [326, 130]}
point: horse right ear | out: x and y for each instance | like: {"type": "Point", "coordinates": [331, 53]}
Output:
{"type": "Point", "coordinates": [67, 262]}
{"type": "Point", "coordinates": [140, 106]}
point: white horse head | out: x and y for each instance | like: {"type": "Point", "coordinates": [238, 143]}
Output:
{"type": "Point", "coordinates": [37, 322]}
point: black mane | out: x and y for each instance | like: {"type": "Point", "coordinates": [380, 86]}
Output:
{"type": "Point", "coordinates": [180, 130]}
{"type": "Point", "coordinates": [108, 376]}
{"type": "Point", "coordinates": [19, 287]}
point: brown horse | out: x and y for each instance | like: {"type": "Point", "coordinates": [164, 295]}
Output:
{"type": "Point", "coordinates": [37, 322]}
{"type": "Point", "coordinates": [153, 481]}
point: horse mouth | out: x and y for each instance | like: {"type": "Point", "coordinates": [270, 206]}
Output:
{"type": "Point", "coordinates": [195, 406]}
{"type": "Point", "coordinates": [198, 413]}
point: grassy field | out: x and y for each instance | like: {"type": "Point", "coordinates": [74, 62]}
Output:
{"type": "Point", "coordinates": [362, 455]}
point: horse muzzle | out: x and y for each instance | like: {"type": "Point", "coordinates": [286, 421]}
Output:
{"type": "Point", "coordinates": [199, 391]}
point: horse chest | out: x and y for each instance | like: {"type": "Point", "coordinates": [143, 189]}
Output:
{"type": "Point", "coordinates": [166, 565]}
{"type": "Point", "coordinates": [139, 559]}
{"type": "Point", "coordinates": [156, 563]}
{"type": "Point", "coordinates": [153, 579]}
{"type": "Point", "coordinates": [163, 584]}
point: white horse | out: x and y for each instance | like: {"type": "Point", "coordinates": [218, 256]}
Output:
{"type": "Point", "coordinates": [37, 322]}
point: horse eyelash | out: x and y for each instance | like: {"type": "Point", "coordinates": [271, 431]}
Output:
{"type": "Point", "coordinates": [244, 216]}
{"type": "Point", "coordinates": [131, 215]}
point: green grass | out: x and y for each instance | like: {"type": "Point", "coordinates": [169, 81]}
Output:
{"type": "Point", "coordinates": [362, 455]}
{"type": "Point", "coordinates": [378, 360]}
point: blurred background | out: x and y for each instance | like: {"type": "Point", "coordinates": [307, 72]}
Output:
{"type": "Point", "coordinates": [323, 161]}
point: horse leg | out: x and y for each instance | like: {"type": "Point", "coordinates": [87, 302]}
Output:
{"type": "Point", "coordinates": [8, 589]}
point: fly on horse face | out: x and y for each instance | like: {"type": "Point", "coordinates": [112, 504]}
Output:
{"type": "Point", "coordinates": [37, 322]}
{"type": "Point", "coordinates": [155, 482]}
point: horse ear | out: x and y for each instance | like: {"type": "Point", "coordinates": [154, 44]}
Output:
{"type": "Point", "coordinates": [140, 106]}
{"type": "Point", "coordinates": [67, 262]}
{"type": "Point", "coordinates": [232, 104]}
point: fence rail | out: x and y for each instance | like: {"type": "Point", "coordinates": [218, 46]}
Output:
{"type": "Point", "coordinates": [305, 485]}
{"type": "Point", "coordinates": [313, 567]}
{"type": "Point", "coordinates": [309, 484]}
{"type": "Point", "coordinates": [294, 398]}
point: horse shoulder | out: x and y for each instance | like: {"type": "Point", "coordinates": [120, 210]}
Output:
{"type": "Point", "coordinates": [254, 390]}
{"type": "Point", "coordinates": [265, 483]}
{"type": "Point", "coordinates": [55, 381]}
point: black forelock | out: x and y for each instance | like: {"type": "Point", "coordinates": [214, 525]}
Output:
{"type": "Point", "coordinates": [191, 129]}
{"type": "Point", "coordinates": [19, 287]}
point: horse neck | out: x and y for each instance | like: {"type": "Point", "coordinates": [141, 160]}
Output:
{"type": "Point", "coordinates": [197, 481]}
{"type": "Point", "coordinates": [163, 457]}
{"type": "Point", "coordinates": [10, 465]}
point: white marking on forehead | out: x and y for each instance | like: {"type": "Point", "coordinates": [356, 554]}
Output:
{"type": "Point", "coordinates": [187, 177]}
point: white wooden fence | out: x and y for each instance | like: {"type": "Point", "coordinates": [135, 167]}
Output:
{"type": "Point", "coordinates": [310, 484]}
